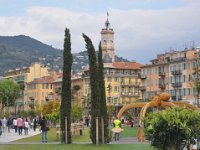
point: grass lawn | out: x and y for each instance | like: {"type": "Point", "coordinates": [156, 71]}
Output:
{"type": "Point", "coordinates": [76, 147]}
{"type": "Point", "coordinates": [128, 132]}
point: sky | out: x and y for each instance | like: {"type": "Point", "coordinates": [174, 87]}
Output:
{"type": "Point", "coordinates": [143, 28]}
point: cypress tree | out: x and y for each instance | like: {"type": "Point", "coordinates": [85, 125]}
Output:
{"type": "Point", "coordinates": [93, 85]}
{"type": "Point", "coordinates": [65, 108]}
{"type": "Point", "coordinates": [102, 94]}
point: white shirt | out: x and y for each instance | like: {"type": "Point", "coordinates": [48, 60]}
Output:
{"type": "Point", "coordinates": [15, 122]}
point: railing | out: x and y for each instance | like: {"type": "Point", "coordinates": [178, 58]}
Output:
{"type": "Point", "coordinates": [177, 84]}
{"type": "Point", "coordinates": [143, 76]}
{"type": "Point", "coordinates": [179, 97]}
{"type": "Point", "coordinates": [142, 88]}
{"type": "Point", "coordinates": [161, 73]}
{"type": "Point", "coordinates": [130, 94]}
{"type": "Point", "coordinates": [176, 72]}
{"type": "Point", "coordinates": [162, 85]}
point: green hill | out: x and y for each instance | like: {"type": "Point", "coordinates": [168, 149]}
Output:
{"type": "Point", "coordinates": [22, 51]}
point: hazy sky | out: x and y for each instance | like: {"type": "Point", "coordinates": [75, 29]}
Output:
{"type": "Point", "coordinates": [143, 28]}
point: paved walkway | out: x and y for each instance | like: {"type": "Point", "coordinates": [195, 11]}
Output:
{"type": "Point", "coordinates": [6, 137]}
{"type": "Point", "coordinates": [10, 138]}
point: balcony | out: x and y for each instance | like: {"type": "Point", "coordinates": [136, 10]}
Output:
{"type": "Point", "coordinates": [130, 94]}
{"type": "Point", "coordinates": [142, 88]}
{"type": "Point", "coordinates": [177, 84]}
{"type": "Point", "coordinates": [19, 80]}
{"type": "Point", "coordinates": [143, 76]}
{"type": "Point", "coordinates": [136, 84]}
{"type": "Point", "coordinates": [179, 97]}
{"type": "Point", "coordinates": [127, 84]}
{"type": "Point", "coordinates": [161, 73]}
{"type": "Point", "coordinates": [162, 85]}
{"type": "Point", "coordinates": [176, 72]}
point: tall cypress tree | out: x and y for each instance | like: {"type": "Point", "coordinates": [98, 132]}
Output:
{"type": "Point", "coordinates": [102, 94]}
{"type": "Point", "coordinates": [65, 108]}
{"type": "Point", "coordinates": [93, 85]}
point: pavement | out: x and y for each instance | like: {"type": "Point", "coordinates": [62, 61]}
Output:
{"type": "Point", "coordinates": [12, 137]}
{"type": "Point", "coordinates": [6, 137]}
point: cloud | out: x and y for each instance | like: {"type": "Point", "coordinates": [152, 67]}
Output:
{"type": "Point", "coordinates": [140, 34]}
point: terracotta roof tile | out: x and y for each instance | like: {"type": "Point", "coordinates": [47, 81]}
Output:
{"type": "Point", "coordinates": [127, 65]}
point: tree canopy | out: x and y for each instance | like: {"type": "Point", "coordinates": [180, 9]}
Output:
{"type": "Point", "coordinates": [172, 129]}
{"type": "Point", "coordinates": [9, 92]}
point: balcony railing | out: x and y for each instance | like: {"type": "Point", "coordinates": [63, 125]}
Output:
{"type": "Point", "coordinates": [142, 88]}
{"type": "Point", "coordinates": [176, 72]}
{"type": "Point", "coordinates": [179, 97]}
{"type": "Point", "coordinates": [143, 76]}
{"type": "Point", "coordinates": [130, 94]}
{"type": "Point", "coordinates": [177, 84]}
{"type": "Point", "coordinates": [126, 84]}
{"type": "Point", "coordinates": [162, 85]}
{"type": "Point", "coordinates": [161, 73]}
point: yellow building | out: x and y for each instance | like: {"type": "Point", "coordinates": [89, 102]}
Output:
{"type": "Point", "coordinates": [23, 76]}
{"type": "Point", "coordinates": [122, 83]}
{"type": "Point", "coordinates": [40, 90]}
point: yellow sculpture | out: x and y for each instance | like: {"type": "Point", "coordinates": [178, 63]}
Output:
{"type": "Point", "coordinates": [159, 100]}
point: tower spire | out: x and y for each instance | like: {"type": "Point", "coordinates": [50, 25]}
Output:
{"type": "Point", "coordinates": [107, 23]}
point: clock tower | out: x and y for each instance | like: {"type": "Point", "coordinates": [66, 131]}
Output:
{"type": "Point", "coordinates": [107, 43]}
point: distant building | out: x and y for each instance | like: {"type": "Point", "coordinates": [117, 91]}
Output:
{"type": "Point", "coordinates": [170, 72]}
{"type": "Point", "coordinates": [23, 76]}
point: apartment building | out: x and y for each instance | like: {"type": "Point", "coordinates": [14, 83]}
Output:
{"type": "Point", "coordinates": [170, 72]}
{"type": "Point", "coordinates": [23, 76]}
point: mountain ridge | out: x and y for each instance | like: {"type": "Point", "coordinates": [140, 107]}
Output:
{"type": "Point", "coordinates": [22, 51]}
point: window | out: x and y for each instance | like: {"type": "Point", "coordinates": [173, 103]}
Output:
{"type": "Point", "coordinates": [184, 66]}
{"type": "Point", "coordinates": [115, 88]}
{"type": "Point", "coordinates": [43, 86]}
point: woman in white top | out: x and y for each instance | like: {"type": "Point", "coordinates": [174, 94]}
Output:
{"type": "Point", "coordinates": [26, 127]}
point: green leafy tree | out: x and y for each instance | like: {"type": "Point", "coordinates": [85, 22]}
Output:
{"type": "Point", "coordinates": [172, 129]}
{"type": "Point", "coordinates": [9, 91]}
{"type": "Point", "coordinates": [76, 113]}
{"type": "Point", "coordinates": [102, 95]}
{"type": "Point", "coordinates": [94, 87]}
{"type": "Point", "coordinates": [65, 109]}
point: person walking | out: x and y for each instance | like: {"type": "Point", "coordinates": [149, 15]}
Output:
{"type": "Point", "coordinates": [9, 124]}
{"type": "Point", "coordinates": [44, 128]}
{"type": "Point", "coordinates": [4, 124]}
{"type": "Point", "coordinates": [117, 128]}
{"type": "Point", "coordinates": [20, 124]}
{"type": "Point", "coordinates": [34, 123]}
{"type": "Point", "coordinates": [26, 127]}
{"type": "Point", "coordinates": [15, 124]}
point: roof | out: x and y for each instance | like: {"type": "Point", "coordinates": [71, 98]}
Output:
{"type": "Point", "coordinates": [45, 79]}
{"type": "Point", "coordinates": [127, 65]}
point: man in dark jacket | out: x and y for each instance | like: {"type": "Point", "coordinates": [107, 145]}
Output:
{"type": "Point", "coordinates": [43, 124]}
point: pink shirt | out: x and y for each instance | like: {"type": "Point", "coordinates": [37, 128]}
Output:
{"type": "Point", "coordinates": [20, 122]}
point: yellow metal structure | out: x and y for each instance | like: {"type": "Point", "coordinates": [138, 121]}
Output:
{"type": "Point", "coordinates": [159, 100]}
